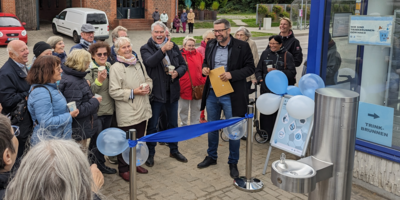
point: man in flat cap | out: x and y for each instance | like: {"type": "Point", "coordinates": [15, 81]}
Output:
{"type": "Point", "coordinates": [87, 37]}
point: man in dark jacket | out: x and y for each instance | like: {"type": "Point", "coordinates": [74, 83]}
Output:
{"type": "Point", "coordinates": [156, 15]}
{"type": "Point", "coordinates": [8, 152]}
{"type": "Point", "coordinates": [87, 37]}
{"type": "Point", "coordinates": [158, 55]}
{"type": "Point", "coordinates": [14, 88]}
{"type": "Point", "coordinates": [237, 59]}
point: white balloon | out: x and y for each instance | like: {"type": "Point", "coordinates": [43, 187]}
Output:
{"type": "Point", "coordinates": [142, 153]}
{"type": "Point", "coordinates": [300, 107]}
{"type": "Point", "coordinates": [268, 103]}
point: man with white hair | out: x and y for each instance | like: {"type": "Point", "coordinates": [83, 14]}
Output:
{"type": "Point", "coordinates": [14, 89]}
{"type": "Point", "coordinates": [165, 65]}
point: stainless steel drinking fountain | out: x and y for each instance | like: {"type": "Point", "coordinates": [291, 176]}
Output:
{"type": "Point", "coordinates": [327, 173]}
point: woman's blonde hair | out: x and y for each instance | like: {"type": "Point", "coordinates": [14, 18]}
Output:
{"type": "Point", "coordinates": [52, 169]}
{"type": "Point", "coordinates": [78, 59]}
{"type": "Point", "coordinates": [187, 38]}
{"type": "Point", "coordinates": [287, 19]}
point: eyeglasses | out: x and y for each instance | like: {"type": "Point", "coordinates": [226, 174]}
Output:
{"type": "Point", "coordinates": [16, 130]}
{"type": "Point", "coordinates": [219, 31]}
{"type": "Point", "coordinates": [58, 69]}
{"type": "Point", "coordinates": [209, 38]}
{"type": "Point", "coordinates": [273, 43]}
{"type": "Point", "coordinates": [101, 54]}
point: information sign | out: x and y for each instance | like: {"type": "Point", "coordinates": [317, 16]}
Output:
{"type": "Point", "coordinates": [290, 134]}
{"type": "Point", "coordinates": [371, 30]}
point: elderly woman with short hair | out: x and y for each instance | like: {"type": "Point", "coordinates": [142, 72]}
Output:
{"type": "Point", "coordinates": [55, 169]}
{"type": "Point", "coordinates": [207, 36]}
{"type": "Point", "coordinates": [244, 34]}
{"type": "Point", "coordinates": [57, 43]}
{"type": "Point", "coordinates": [75, 88]}
{"type": "Point", "coordinates": [130, 87]}
{"type": "Point", "coordinates": [193, 77]}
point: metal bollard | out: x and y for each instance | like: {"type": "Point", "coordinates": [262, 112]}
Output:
{"type": "Point", "coordinates": [132, 167]}
{"type": "Point", "coordinates": [247, 183]}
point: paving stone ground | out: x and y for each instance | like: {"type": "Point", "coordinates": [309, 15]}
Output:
{"type": "Point", "coordinates": [170, 179]}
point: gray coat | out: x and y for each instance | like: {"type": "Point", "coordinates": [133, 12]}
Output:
{"type": "Point", "coordinates": [156, 16]}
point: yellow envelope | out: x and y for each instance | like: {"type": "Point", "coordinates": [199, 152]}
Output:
{"type": "Point", "coordinates": [220, 87]}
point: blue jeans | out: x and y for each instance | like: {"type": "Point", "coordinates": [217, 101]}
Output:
{"type": "Point", "coordinates": [214, 106]}
{"type": "Point", "coordinates": [172, 115]}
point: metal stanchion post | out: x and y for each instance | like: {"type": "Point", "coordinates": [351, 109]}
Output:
{"type": "Point", "coordinates": [247, 183]}
{"type": "Point", "coordinates": [132, 167]}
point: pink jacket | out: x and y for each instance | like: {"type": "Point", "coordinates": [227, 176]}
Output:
{"type": "Point", "coordinates": [202, 48]}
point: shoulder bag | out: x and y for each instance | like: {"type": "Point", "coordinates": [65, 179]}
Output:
{"type": "Point", "coordinates": [197, 91]}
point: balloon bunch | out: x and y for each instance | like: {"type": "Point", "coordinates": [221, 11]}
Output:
{"type": "Point", "coordinates": [112, 142]}
{"type": "Point", "coordinates": [301, 105]}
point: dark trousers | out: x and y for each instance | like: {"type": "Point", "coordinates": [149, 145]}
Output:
{"type": "Point", "coordinates": [172, 117]}
{"type": "Point", "coordinates": [95, 156]}
{"type": "Point", "coordinates": [191, 27]}
{"type": "Point", "coordinates": [140, 129]}
{"type": "Point", "coordinates": [267, 122]}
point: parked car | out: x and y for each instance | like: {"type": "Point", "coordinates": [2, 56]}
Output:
{"type": "Point", "coordinates": [70, 20]}
{"type": "Point", "coordinates": [11, 29]}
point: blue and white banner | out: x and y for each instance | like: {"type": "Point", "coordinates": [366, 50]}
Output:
{"type": "Point", "coordinates": [371, 30]}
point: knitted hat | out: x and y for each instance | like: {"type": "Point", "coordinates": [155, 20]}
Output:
{"type": "Point", "coordinates": [40, 47]}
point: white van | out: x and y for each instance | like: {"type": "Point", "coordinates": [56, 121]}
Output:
{"type": "Point", "coordinates": [70, 20]}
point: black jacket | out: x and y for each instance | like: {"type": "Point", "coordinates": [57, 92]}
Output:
{"type": "Point", "coordinates": [277, 59]}
{"type": "Point", "coordinates": [4, 180]}
{"type": "Point", "coordinates": [13, 89]}
{"type": "Point", "coordinates": [74, 87]}
{"type": "Point", "coordinates": [153, 61]}
{"type": "Point", "coordinates": [292, 45]}
{"type": "Point", "coordinates": [240, 65]}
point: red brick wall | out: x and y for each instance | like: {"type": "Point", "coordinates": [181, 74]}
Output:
{"type": "Point", "coordinates": [8, 6]}
{"type": "Point", "coordinates": [77, 3]}
{"type": "Point", "coordinates": [167, 5]}
{"type": "Point", "coordinates": [108, 6]}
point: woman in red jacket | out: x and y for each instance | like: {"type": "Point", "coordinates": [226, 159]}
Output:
{"type": "Point", "coordinates": [192, 76]}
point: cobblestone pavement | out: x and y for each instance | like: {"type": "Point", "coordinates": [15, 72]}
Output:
{"type": "Point", "coordinates": [170, 179]}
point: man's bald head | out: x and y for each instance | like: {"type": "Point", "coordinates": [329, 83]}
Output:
{"type": "Point", "coordinates": [18, 51]}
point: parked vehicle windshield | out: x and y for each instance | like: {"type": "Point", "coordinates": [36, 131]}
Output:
{"type": "Point", "coordinates": [9, 22]}
{"type": "Point", "coordinates": [96, 19]}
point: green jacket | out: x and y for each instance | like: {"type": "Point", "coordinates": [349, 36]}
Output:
{"type": "Point", "coordinates": [107, 104]}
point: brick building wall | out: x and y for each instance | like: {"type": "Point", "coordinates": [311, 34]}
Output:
{"type": "Point", "coordinates": [108, 6]}
{"type": "Point", "coordinates": [8, 6]}
{"type": "Point", "coordinates": [168, 6]}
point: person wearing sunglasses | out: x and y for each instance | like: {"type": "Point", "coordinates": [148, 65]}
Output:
{"type": "Point", "coordinates": [99, 84]}
{"type": "Point", "coordinates": [8, 151]}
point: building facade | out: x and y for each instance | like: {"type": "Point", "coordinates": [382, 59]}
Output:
{"type": "Point", "coordinates": [140, 11]}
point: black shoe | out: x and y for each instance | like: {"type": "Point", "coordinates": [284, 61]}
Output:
{"type": "Point", "coordinates": [207, 162]}
{"type": "Point", "coordinates": [161, 143]}
{"type": "Point", "coordinates": [234, 172]}
{"type": "Point", "coordinates": [178, 156]}
{"type": "Point", "coordinates": [150, 161]}
{"type": "Point", "coordinates": [244, 138]}
{"type": "Point", "coordinates": [106, 170]}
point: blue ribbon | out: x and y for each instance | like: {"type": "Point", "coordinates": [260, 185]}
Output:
{"type": "Point", "coordinates": [187, 132]}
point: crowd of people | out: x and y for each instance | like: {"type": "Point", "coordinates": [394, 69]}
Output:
{"type": "Point", "coordinates": [52, 107]}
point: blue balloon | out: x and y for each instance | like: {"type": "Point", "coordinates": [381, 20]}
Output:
{"type": "Point", "coordinates": [277, 82]}
{"type": "Point", "coordinates": [112, 141]}
{"type": "Point", "coordinates": [309, 83]}
{"type": "Point", "coordinates": [293, 90]}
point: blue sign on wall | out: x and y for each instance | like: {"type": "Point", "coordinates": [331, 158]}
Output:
{"type": "Point", "coordinates": [375, 123]}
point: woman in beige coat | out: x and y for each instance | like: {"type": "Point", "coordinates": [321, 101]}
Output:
{"type": "Point", "coordinates": [190, 20]}
{"type": "Point", "coordinates": [243, 34]}
{"type": "Point", "coordinates": [130, 87]}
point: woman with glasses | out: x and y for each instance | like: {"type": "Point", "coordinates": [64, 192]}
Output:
{"type": "Point", "coordinates": [98, 76]}
{"type": "Point", "coordinates": [46, 104]}
{"type": "Point", "coordinates": [76, 90]}
{"type": "Point", "coordinates": [276, 57]}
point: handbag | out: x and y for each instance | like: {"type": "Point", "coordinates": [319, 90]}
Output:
{"type": "Point", "coordinates": [197, 91]}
